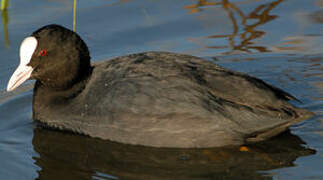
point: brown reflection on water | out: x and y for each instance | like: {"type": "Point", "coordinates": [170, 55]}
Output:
{"type": "Point", "coordinates": [195, 8]}
{"type": "Point", "coordinates": [244, 25]}
{"type": "Point", "coordinates": [68, 156]}
{"type": "Point", "coordinates": [317, 16]}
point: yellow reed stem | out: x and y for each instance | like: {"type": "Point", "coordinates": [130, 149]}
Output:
{"type": "Point", "coordinates": [74, 16]}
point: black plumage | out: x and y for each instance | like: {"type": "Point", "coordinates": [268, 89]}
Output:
{"type": "Point", "coordinates": [157, 99]}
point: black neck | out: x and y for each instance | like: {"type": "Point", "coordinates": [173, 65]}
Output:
{"type": "Point", "coordinates": [57, 95]}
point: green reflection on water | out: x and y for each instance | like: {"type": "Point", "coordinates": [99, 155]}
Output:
{"type": "Point", "coordinates": [4, 4]}
{"type": "Point", "coordinates": [5, 20]}
{"type": "Point", "coordinates": [74, 15]}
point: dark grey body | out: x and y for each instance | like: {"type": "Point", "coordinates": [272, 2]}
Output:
{"type": "Point", "coordinates": [168, 100]}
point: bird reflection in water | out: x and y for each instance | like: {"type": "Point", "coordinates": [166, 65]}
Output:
{"type": "Point", "coordinates": [77, 157]}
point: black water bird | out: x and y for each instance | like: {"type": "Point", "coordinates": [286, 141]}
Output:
{"type": "Point", "coordinates": [156, 99]}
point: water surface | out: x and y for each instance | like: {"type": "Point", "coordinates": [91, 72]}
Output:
{"type": "Point", "coordinates": [279, 41]}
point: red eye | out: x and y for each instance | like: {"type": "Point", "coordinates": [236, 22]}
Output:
{"type": "Point", "coordinates": [42, 52]}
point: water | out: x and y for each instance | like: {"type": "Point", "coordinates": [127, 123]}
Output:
{"type": "Point", "coordinates": [279, 41]}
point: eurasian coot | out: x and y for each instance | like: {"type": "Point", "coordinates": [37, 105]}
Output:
{"type": "Point", "coordinates": [156, 99]}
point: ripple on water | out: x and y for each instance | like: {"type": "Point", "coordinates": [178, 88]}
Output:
{"type": "Point", "coordinates": [16, 132]}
